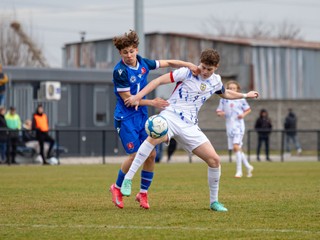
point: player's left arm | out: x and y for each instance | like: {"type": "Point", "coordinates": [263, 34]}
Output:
{"type": "Point", "coordinates": [229, 94]}
{"type": "Point", "coordinates": [245, 113]}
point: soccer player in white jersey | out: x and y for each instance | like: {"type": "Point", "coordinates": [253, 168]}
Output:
{"type": "Point", "coordinates": [189, 95]}
{"type": "Point", "coordinates": [234, 112]}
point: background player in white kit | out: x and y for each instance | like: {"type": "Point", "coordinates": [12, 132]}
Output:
{"type": "Point", "coordinates": [189, 95]}
{"type": "Point", "coordinates": [234, 112]}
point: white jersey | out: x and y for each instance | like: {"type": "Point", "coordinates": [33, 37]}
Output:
{"type": "Point", "coordinates": [191, 93]}
{"type": "Point", "coordinates": [232, 109]}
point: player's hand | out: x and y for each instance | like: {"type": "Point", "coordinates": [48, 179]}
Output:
{"type": "Point", "coordinates": [220, 114]}
{"type": "Point", "coordinates": [195, 70]}
{"type": "Point", "coordinates": [160, 103]}
{"type": "Point", "coordinates": [133, 100]}
{"type": "Point", "coordinates": [252, 94]}
{"type": "Point", "coordinates": [240, 116]}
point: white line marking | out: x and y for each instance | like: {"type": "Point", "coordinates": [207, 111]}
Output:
{"type": "Point", "coordinates": [160, 228]}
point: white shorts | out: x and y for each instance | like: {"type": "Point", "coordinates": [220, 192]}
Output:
{"type": "Point", "coordinates": [236, 139]}
{"type": "Point", "coordinates": [188, 136]}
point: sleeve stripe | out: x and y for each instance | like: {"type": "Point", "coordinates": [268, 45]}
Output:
{"type": "Point", "coordinates": [171, 77]}
{"type": "Point", "coordinates": [157, 64]}
{"type": "Point", "coordinates": [123, 89]}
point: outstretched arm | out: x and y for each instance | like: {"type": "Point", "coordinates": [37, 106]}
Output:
{"type": "Point", "coordinates": [135, 100]}
{"type": "Point", "coordinates": [229, 94]}
{"type": "Point", "coordinates": [157, 102]}
{"type": "Point", "coordinates": [177, 64]}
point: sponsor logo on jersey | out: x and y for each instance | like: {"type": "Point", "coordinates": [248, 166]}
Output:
{"type": "Point", "coordinates": [203, 86]}
{"type": "Point", "coordinates": [120, 71]}
{"type": "Point", "coordinates": [130, 145]}
{"type": "Point", "coordinates": [231, 105]}
{"type": "Point", "coordinates": [133, 79]}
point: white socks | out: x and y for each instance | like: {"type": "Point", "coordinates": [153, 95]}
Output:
{"type": "Point", "coordinates": [213, 181]}
{"type": "Point", "coordinates": [143, 153]}
{"type": "Point", "coordinates": [239, 162]}
{"type": "Point", "coordinates": [245, 161]}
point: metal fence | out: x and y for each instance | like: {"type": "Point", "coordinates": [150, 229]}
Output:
{"type": "Point", "coordinates": [105, 143]}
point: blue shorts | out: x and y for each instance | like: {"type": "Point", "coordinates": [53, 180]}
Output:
{"type": "Point", "coordinates": [131, 132]}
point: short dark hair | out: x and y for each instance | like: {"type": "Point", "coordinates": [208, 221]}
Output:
{"type": "Point", "coordinates": [210, 57]}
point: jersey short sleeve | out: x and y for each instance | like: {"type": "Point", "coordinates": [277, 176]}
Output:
{"type": "Point", "coordinates": [120, 78]}
{"type": "Point", "coordinates": [221, 106]}
{"type": "Point", "coordinates": [152, 64]}
{"type": "Point", "coordinates": [180, 74]}
{"type": "Point", "coordinates": [245, 105]}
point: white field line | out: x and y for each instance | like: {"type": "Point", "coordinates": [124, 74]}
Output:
{"type": "Point", "coordinates": [158, 228]}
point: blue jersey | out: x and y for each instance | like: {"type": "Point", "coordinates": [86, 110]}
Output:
{"type": "Point", "coordinates": [127, 78]}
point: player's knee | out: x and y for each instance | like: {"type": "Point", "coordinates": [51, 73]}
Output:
{"type": "Point", "coordinates": [236, 148]}
{"type": "Point", "coordinates": [214, 162]}
{"type": "Point", "coordinates": [152, 156]}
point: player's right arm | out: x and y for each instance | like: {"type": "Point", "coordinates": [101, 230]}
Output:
{"type": "Point", "coordinates": [178, 64]}
{"type": "Point", "coordinates": [137, 99]}
{"type": "Point", "coordinates": [220, 110]}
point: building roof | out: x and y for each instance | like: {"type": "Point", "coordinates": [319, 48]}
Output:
{"type": "Point", "coordinates": [231, 40]}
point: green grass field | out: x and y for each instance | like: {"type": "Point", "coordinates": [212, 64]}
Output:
{"type": "Point", "coordinates": [281, 201]}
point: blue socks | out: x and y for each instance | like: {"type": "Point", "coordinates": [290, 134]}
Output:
{"type": "Point", "coordinates": [120, 178]}
{"type": "Point", "coordinates": [146, 179]}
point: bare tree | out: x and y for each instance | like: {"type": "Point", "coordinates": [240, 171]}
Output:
{"type": "Point", "coordinates": [13, 49]}
{"type": "Point", "coordinates": [259, 30]}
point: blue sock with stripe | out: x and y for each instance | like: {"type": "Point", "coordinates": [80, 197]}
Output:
{"type": "Point", "coordinates": [120, 178]}
{"type": "Point", "coordinates": [146, 179]}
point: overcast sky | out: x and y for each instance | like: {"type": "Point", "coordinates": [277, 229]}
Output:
{"type": "Point", "coordinates": [57, 22]}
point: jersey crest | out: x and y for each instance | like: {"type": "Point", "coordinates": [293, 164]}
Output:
{"type": "Point", "coordinates": [133, 79]}
{"type": "Point", "coordinates": [203, 87]}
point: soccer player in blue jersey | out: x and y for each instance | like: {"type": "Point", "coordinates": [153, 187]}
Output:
{"type": "Point", "coordinates": [129, 77]}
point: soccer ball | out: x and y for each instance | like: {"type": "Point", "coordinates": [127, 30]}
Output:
{"type": "Point", "coordinates": [156, 126]}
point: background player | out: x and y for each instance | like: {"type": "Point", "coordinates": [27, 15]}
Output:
{"type": "Point", "coordinates": [234, 112]}
{"type": "Point", "coordinates": [189, 95]}
{"type": "Point", "coordinates": [129, 77]}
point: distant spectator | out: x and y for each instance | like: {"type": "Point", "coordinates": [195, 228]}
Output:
{"type": "Point", "coordinates": [29, 136]}
{"type": "Point", "coordinates": [3, 83]}
{"type": "Point", "coordinates": [3, 134]}
{"type": "Point", "coordinates": [263, 126]}
{"type": "Point", "coordinates": [40, 123]}
{"type": "Point", "coordinates": [14, 124]}
{"type": "Point", "coordinates": [290, 125]}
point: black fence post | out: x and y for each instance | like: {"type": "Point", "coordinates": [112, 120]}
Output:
{"type": "Point", "coordinates": [104, 146]}
{"type": "Point", "coordinates": [58, 146]}
{"type": "Point", "coordinates": [282, 145]}
{"type": "Point", "coordinates": [8, 154]}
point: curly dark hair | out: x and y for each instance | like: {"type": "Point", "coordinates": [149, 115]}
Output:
{"type": "Point", "coordinates": [210, 57]}
{"type": "Point", "coordinates": [126, 40]}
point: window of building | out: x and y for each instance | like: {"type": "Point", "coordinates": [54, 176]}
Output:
{"type": "Point", "coordinates": [101, 106]}
{"type": "Point", "coordinates": [64, 106]}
